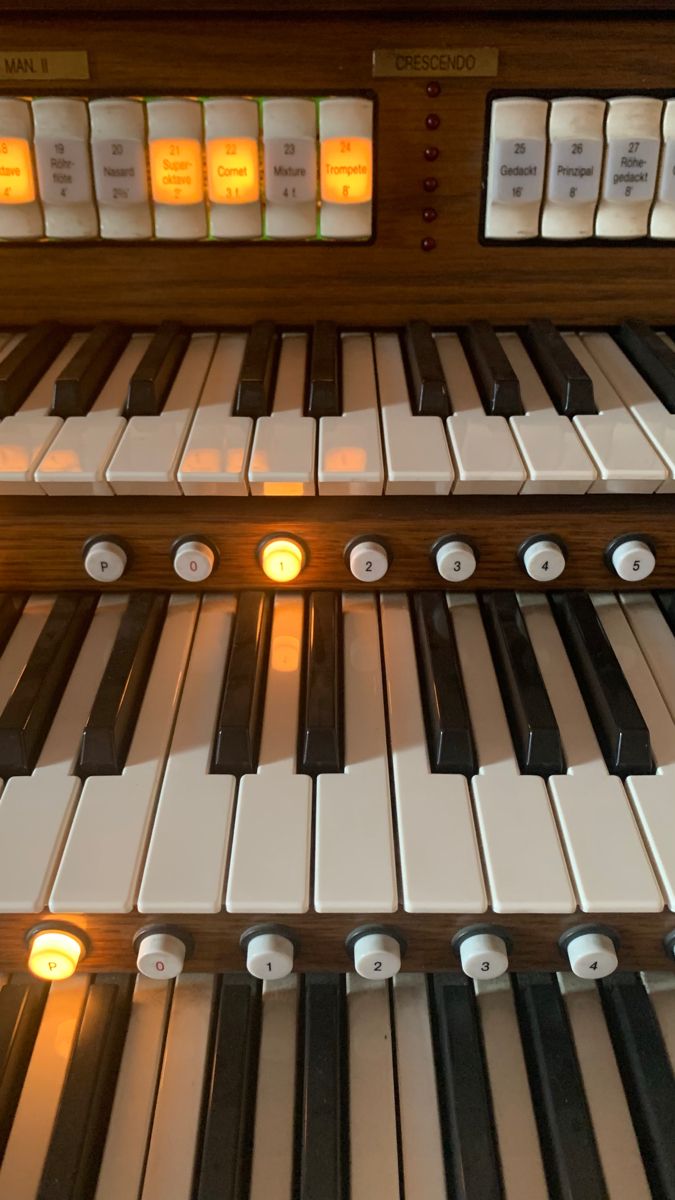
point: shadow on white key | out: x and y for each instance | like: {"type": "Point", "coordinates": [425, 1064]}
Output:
{"type": "Point", "coordinates": [612, 1125]}
{"type": "Point", "coordinates": [420, 1130]}
{"type": "Point", "coordinates": [519, 1153]}
{"type": "Point", "coordinates": [624, 458]}
{"type": "Point", "coordinates": [519, 838]}
{"type": "Point", "coordinates": [437, 844]}
{"type": "Point", "coordinates": [652, 795]}
{"type": "Point", "coordinates": [651, 415]}
{"type": "Point", "coordinates": [149, 452]}
{"type": "Point", "coordinates": [123, 1161]}
{"type": "Point", "coordinates": [216, 453]}
{"type": "Point", "coordinates": [104, 853]}
{"type": "Point", "coordinates": [37, 1108]}
{"type": "Point", "coordinates": [77, 459]}
{"type": "Point", "coordinates": [661, 988]}
{"type": "Point", "coordinates": [185, 867]}
{"type": "Point", "coordinates": [283, 453]}
{"type": "Point", "coordinates": [274, 1134]}
{"type": "Point", "coordinates": [552, 451]}
{"type": "Point", "coordinates": [36, 810]}
{"type": "Point", "coordinates": [416, 449]}
{"type": "Point", "coordinates": [483, 448]}
{"type": "Point", "coordinates": [355, 869]}
{"type": "Point", "coordinates": [609, 862]}
{"type": "Point", "coordinates": [25, 437]}
{"type": "Point", "coordinates": [270, 859]}
{"type": "Point", "coordinates": [175, 1128]}
{"type": "Point", "coordinates": [373, 1147]}
{"type": "Point", "coordinates": [350, 453]}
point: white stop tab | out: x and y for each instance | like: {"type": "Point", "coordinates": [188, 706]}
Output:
{"type": "Point", "coordinates": [516, 167]}
{"type": "Point", "coordinates": [633, 135]}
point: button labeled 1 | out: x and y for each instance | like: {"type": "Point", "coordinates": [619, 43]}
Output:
{"type": "Point", "coordinates": [193, 561]}
{"type": "Point", "coordinates": [269, 956]}
{"type": "Point", "coordinates": [368, 561]}
{"type": "Point", "coordinates": [105, 561]}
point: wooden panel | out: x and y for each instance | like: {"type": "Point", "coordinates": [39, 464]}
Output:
{"type": "Point", "coordinates": [392, 278]}
{"type": "Point", "coordinates": [321, 939]}
{"type": "Point", "coordinates": [41, 539]}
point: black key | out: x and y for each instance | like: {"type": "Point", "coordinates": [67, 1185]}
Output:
{"type": "Point", "coordinates": [254, 389]}
{"type": "Point", "coordinates": [78, 1136]}
{"type": "Point", "coordinates": [108, 732]}
{"type": "Point", "coordinates": [324, 373]}
{"type": "Point", "coordinates": [533, 726]}
{"type": "Point", "coordinates": [617, 720]}
{"type": "Point", "coordinates": [666, 602]}
{"type": "Point", "coordinates": [472, 1164]}
{"type": "Point", "coordinates": [151, 382]}
{"type": "Point", "coordinates": [322, 1160]}
{"type": "Point", "coordinates": [21, 1006]}
{"type": "Point", "coordinates": [238, 730]}
{"type": "Point", "coordinates": [571, 1161]}
{"type": "Point", "coordinates": [225, 1162]}
{"type": "Point", "coordinates": [647, 1076]}
{"type": "Point", "coordinates": [27, 363]}
{"type": "Point", "coordinates": [652, 357]}
{"type": "Point", "coordinates": [569, 386]}
{"type": "Point", "coordinates": [429, 392]}
{"type": "Point", "coordinates": [11, 607]}
{"type": "Point", "coordinates": [82, 378]}
{"type": "Point", "coordinates": [446, 714]}
{"type": "Point", "coordinates": [28, 713]}
{"type": "Point", "coordinates": [322, 723]}
{"type": "Point", "coordinates": [497, 381]}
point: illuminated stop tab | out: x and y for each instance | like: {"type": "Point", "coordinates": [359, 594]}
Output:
{"type": "Point", "coordinates": [176, 173]}
{"type": "Point", "coordinates": [346, 132]}
{"type": "Point", "coordinates": [232, 168]}
{"type": "Point", "coordinates": [20, 214]}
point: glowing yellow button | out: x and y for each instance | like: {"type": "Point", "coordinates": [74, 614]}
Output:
{"type": "Point", "coordinates": [17, 185]}
{"type": "Point", "coordinates": [282, 559]}
{"type": "Point", "coordinates": [54, 954]}
{"type": "Point", "coordinates": [176, 171]}
{"type": "Point", "coordinates": [347, 170]}
{"type": "Point", "coordinates": [233, 170]}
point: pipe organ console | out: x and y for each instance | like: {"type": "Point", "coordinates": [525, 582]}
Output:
{"type": "Point", "coordinates": [337, 601]}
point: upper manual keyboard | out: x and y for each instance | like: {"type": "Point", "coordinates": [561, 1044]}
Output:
{"type": "Point", "coordinates": [274, 412]}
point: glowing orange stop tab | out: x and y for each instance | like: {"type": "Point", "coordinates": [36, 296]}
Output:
{"type": "Point", "coordinates": [233, 170]}
{"type": "Point", "coordinates": [176, 171]}
{"type": "Point", "coordinates": [347, 170]}
{"type": "Point", "coordinates": [17, 182]}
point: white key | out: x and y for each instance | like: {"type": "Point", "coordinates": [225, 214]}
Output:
{"type": "Point", "coordinates": [121, 1172]}
{"type": "Point", "coordinates": [350, 454]}
{"type": "Point", "coordinates": [25, 437]}
{"type": "Point", "coordinates": [519, 1153]}
{"type": "Point", "coordinates": [273, 1136]}
{"type": "Point", "coordinates": [644, 405]}
{"type": "Point", "coordinates": [215, 458]}
{"type": "Point", "coordinates": [355, 869]}
{"type": "Point", "coordinates": [36, 810]}
{"type": "Point", "coordinates": [36, 1110]}
{"type": "Point", "coordinates": [415, 448]}
{"type": "Point", "coordinates": [373, 1151]}
{"type": "Point", "coordinates": [484, 452]}
{"type": "Point", "coordinates": [104, 853]}
{"type": "Point", "coordinates": [421, 1143]}
{"type": "Point", "coordinates": [438, 850]}
{"type": "Point", "coordinates": [552, 451]}
{"type": "Point", "coordinates": [282, 457]}
{"type": "Point", "coordinates": [656, 643]}
{"type": "Point", "coordinates": [175, 1128]}
{"type": "Point", "coordinates": [661, 988]}
{"type": "Point", "coordinates": [521, 847]}
{"type": "Point", "coordinates": [149, 452]}
{"type": "Point", "coordinates": [269, 864]}
{"type": "Point", "coordinates": [606, 854]}
{"type": "Point", "coordinates": [185, 867]}
{"type": "Point", "coordinates": [614, 1133]}
{"type": "Point", "coordinates": [652, 795]}
{"type": "Point", "coordinates": [77, 459]}
{"type": "Point", "coordinates": [624, 458]}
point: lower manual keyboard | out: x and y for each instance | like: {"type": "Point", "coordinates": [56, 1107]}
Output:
{"type": "Point", "coordinates": [115, 1088]}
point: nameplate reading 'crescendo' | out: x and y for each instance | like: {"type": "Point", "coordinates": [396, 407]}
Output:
{"type": "Point", "coordinates": [445, 61]}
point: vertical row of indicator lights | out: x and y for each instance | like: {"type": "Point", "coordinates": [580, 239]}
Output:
{"type": "Point", "coordinates": [431, 153]}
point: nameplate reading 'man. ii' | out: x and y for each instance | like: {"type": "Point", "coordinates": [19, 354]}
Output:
{"type": "Point", "coordinates": [444, 61]}
{"type": "Point", "coordinates": [43, 64]}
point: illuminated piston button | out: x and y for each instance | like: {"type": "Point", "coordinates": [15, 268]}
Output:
{"type": "Point", "coordinates": [20, 213]}
{"type": "Point", "coordinates": [175, 146]}
{"type": "Point", "coordinates": [54, 954]}
{"type": "Point", "coordinates": [282, 559]}
{"type": "Point", "coordinates": [233, 168]}
{"type": "Point", "coordinates": [346, 133]}
{"type": "Point", "coordinates": [160, 956]}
